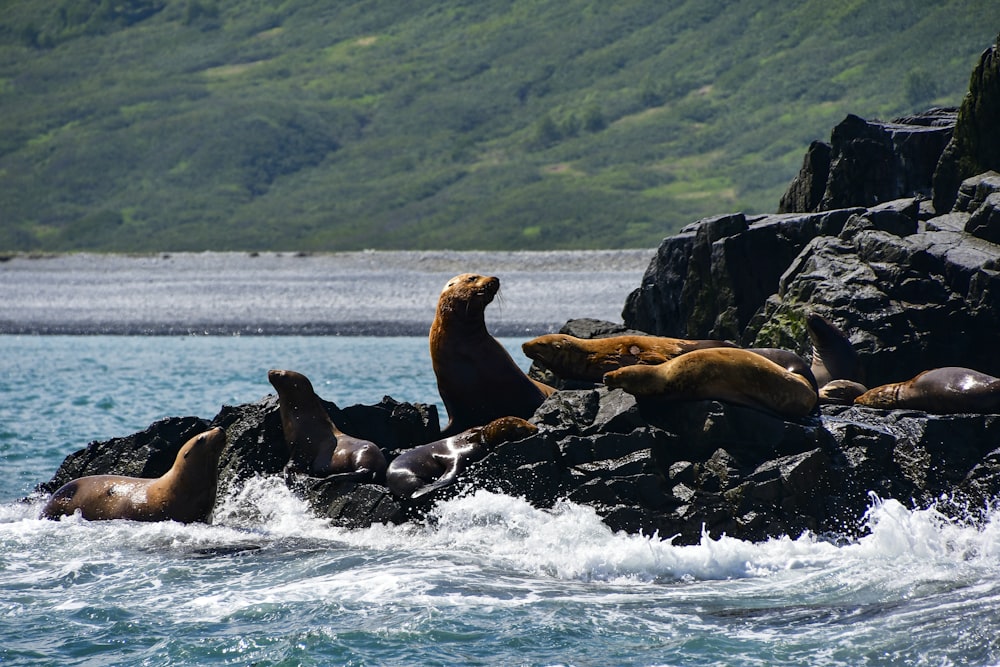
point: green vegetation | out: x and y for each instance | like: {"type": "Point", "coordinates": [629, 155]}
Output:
{"type": "Point", "coordinates": [154, 125]}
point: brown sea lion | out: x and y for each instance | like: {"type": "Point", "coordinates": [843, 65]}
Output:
{"type": "Point", "coordinates": [316, 445]}
{"type": "Point", "coordinates": [726, 374]}
{"type": "Point", "coordinates": [840, 392]}
{"type": "Point", "coordinates": [834, 357]}
{"type": "Point", "coordinates": [589, 359]}
{"type": "Point", "coordinates": [426, 468]}
{"type": "Point", "coordinates": [185, 493]}
{"type": "Point", "coordinates": [788, 360]}
{"type": "Point", "coordinates": [476, 377]}
{"type": "Point", "coordinates": [948, 390]}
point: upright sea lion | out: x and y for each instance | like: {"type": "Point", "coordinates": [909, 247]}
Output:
{"type": "Point", "coordinates": [316, 445]}
{"type": "Point", "coordinates": [834, 357]}
{"type": "Point", "coordinates": [476, 377]}
{"type": "Point", "coordinates": [426, 468]}
{"type": "Point", "coordinates": [589, 359]}
{"type": "Point", "coordinates": [947, 390]}
{"type": "Point", "coordinates": [185, 493]}
{"type": "Point", "coordinates": [726, 374]}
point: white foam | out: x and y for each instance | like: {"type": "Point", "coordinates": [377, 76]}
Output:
{"type": "Point", "coordinates": [568, 542]}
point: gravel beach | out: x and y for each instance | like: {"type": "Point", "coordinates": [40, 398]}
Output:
{"type": "Point", "coordinates": [359, 293]}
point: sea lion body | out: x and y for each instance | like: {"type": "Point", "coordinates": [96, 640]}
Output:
{"type": "Point", "coordinates": [948, 390]}
{"type": "Point", "coordinates": [185, 493]}
{"type": "Point", "coordinates": [589, 359]}
{"type": "Point", "coordinates": [419, 471]}
{"type": "Point", "coordinates": [476, 377]}
{"type": "Point", "coordinates": [788, 360]}
{"type": "Point", "coordinates": [834, 357]}
{"type": "Point", "coordinates": [726, 374]}
{"type": "Point", "coordinates": [316, 445]}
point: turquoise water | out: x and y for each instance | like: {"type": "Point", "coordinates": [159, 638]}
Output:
{"type": "Point", "coordinates": [492, 582]}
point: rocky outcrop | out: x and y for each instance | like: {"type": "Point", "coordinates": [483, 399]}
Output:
{"type": "Point", "coordinates": [975, 146]}
{"type": "Point", "coordinates": [647, 466]}
{"type": "Point", "coordinates": [711, 279]}
{"type": "Point", "coordinates": [911, 297]}
{"type": "Point", "coordinates": [869, 162]}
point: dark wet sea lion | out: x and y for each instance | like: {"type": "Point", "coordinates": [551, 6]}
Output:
{"type": "Point", "coordinates": [726, 374]}
{"type": "Point", "coordinates": [834, 357]}
{"type": "Point", "coordinates": [185, 493]}
{"type": "Point", "coordinates": [948, 390]}
{"type": "Point", "coordinates": [476, 377]}
{"type": "Point", "coordinates": [419, 471]}
{"type": "Point", "coordinates": [316, 445]}
{"type": "Point", "coordinates": [589, 359]}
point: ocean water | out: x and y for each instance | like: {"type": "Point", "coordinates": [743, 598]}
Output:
{"type": "Point", "coordinates": [493, 581]}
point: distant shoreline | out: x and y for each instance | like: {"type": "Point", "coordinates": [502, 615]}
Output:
{"type": "Point", "coordinates": [366, 293]}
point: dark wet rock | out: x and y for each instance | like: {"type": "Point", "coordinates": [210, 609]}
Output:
{"type": "Point", "coordinates": [351, 505]}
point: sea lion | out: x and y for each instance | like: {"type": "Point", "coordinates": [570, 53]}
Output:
{"type": "Point", "coordinates": [426, 468]}
{"type": "Point", "coordinates": [834, 357]}
{"type": "Point", "coordinates": [840, 392]}
{"type": "Point", "coordinates": [726, 374]}
{"type": "Point", "coordinates": [948, 390]}
{"type": "Point", "coordinates": [476, 377]}
{"type": "Point", "coordinates": [316, 445]}
{"type": "Point", "coordinates": [185, 493]}
{"type": "Point", "coordinates": [589, 359]}
{"type": "Point", "coordinates": [788, 360]}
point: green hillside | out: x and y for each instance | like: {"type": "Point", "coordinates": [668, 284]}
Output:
{"type": "Point", "coordinates": [154, 125]}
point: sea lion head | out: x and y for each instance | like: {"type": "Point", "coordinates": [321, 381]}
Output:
{"type": "Point", "coordinates": [506, 429]}
{"type": "Point", "coordinates": [841, 392]}
{"type": "Point", "coordinates": [200, 454]}
{"type": "Point", "coordinates": [289, 381]}
{"type": "Point", "coordinates": [210, 442]}
{"type": "Point", "coordinates": [553, 349]}
{"type": "Point", "coordinates": [637, 380]}
{"type": "Point", "coordinates": [468, 293]}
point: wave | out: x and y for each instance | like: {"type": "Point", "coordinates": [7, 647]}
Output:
{"type": "Point", "coordinates": [568, 542]}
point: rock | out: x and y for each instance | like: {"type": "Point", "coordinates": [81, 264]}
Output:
{"type": "Point", "coordinates": [869, 162]}
{"type": "Point", "coordinates": [909, 303]}
{"type": "Point", "coordinates": [256, 446]}
{"type": "Point", "coordinates": [806, 190]}
{"type": "Point", "coordinates": [985, 222]}
{"type": "Point", "coordinates": [975, 145]}
{"type": "Point", "coordinates": [974, 191]}
{"type": "Point", "coordinates": [710, 280]}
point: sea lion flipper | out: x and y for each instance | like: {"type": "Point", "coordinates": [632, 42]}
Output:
{"type": "Point", "coordinates": [446, 480]}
